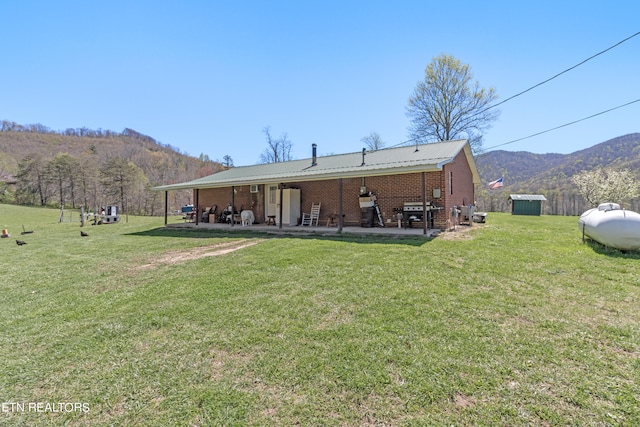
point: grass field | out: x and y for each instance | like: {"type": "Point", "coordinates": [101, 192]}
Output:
{"type": "Point", "coordinates": [513, 323]}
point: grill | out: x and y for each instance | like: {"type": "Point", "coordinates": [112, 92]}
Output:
{"type": "Point", "coordinates": [413, 212]}
{"type": "Point", "coordinates": [415, 207]}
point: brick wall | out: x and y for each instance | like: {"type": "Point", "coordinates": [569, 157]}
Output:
{"type": "Point", "coordinates": [391, 192]}
{"type": "Point", "coordinates": [455, 183]}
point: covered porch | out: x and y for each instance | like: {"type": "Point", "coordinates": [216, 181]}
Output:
{"type": "Point", "coordinates": [365, 193]}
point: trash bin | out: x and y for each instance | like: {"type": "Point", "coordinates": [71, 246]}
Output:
{"type": "Point", "coordinates": [366, 217]}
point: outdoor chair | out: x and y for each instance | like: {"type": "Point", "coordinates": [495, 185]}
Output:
{"type": "Point", "coordinates": [466, 215]}
{"type": "Point", "coordinates": [314, 215]}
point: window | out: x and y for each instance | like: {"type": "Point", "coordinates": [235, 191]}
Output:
{"type": "Point", "coordinates": [451, 183]}
{"type": "Point", "coordinates": [272, 194]}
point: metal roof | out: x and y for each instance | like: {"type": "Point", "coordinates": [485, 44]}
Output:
{"type": "Point", "coordinates": [528, 197]}
{"type": "Point", "coordinates": [389, 161]}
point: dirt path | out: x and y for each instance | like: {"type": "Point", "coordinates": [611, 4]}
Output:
{"type": "Point", "coordinates": [462, 232]}
{"type": "Point", "coordinates": [174, 257]}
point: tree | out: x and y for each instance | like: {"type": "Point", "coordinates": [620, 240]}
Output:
{"type": "Point", "coordinates": [373, 141]}
{"type": "Point", "coordinates": [606, 185]}
{"type": "Point", "coordinates": [278, 150]}
{"type": "Point", "coordinates": [32, 181]}
{"type": "Point", "coordinates": [61, 173]}
{"type": "Point", "coordinates": [447, 105]}
{"type": "Point", "coordinates": [227, 161]}
{"type": "Point", "coordinates": [87, 181]}
{"type": "Point", "coordinates": [119, 179]}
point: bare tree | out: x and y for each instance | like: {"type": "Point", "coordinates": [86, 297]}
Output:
{"type": "Point", "coordinates": [87, 179]}
{"type": "Point", "coordinates": [278, 149]}
{"type": "Point", "coordinates": [373, 141]}
{"type": "Point", "coordinates": [62, 172]}
{"type": "Point", "coordinates": [447, 105]}
{"type": "Point", "coordinates": [119, 179]}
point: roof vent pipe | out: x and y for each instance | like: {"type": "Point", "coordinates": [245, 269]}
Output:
{"type": "Point", "coordinates": [313, 154]}
{"type": "Point", "coordinates": [364, 153]}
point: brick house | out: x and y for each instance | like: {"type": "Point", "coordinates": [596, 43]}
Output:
{"type": "Point", "coordinates": [442, 174]}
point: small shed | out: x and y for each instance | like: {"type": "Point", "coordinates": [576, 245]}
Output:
{"type": "Point", "coordinates": [526, 204]}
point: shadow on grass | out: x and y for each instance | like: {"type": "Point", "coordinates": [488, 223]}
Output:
{"type": "Point", "coordinates": [410, 240]}
{"type": "Point", "coordinates": [612, 252]}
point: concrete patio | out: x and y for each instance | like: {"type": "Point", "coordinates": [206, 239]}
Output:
{"type": "Point", "coordinates": [391, 230]}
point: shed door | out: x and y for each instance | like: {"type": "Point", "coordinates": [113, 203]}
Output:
{"type": "Point", "coordinates": [526, 207]}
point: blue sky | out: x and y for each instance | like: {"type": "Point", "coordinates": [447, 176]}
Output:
{"type": "Point", "coordinates": [208, 76]}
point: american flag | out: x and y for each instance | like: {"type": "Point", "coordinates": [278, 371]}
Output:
{"type": "Point", "coordinates": [496, 184]}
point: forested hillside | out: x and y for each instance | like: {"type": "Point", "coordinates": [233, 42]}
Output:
{"type": "Point", "coordinates": [84, 167]}
{"type": "Point", "coordinates": [92, 168]}
{"type": "Point", "coordinates": [550, 174]}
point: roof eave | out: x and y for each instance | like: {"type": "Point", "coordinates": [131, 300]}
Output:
{"type": "Point", "coordinates": [470, 160]}
{"type": "Point", "coordinates": [303, 177]}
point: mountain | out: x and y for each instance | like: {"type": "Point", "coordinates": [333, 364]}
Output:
{"type": "Point", "coordinates": [515, 166]}
{"type": "Point", "coordinates": [45, 158]}
{"type": "Point", "coordinates": [18, 142]}
{"type": "Point", "coordinates": [523, 172]}
{"type": "Point", "coordinates": [550, 174]}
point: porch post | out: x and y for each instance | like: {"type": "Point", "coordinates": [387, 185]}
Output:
{"type": "Point", "coordinates": [281, 188]}
{"type": "Point", "coordinates": [425, 213]}
{"type": "Point", "coordinates": [197, 209]}
{"type": "Point", "coordinates": [166, 205]}
{"type": "Point", "coordinates": [340, 213]}
{"type": "Point", "coordinates": [233, 204]}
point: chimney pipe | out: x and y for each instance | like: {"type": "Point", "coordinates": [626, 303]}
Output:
{"type": "Point", "coordinates": [313, 155]}
{"type": "Point", "coordinates": [364, 152]}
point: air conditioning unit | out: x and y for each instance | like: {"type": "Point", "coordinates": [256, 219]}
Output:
{"type": "Point", "coordinates": [254, 188]}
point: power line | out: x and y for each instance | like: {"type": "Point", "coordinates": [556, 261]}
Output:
{"type": "Point", "coordinates": [565, 125]}
{"type": "Point", "coordinates": [560, 73]}
{"type": "Point", "coordinates": [544, 131]}
{"type": "Point", "coordinates": [540, 84]}
{"type": "Point", "coordinates": [403, 143]}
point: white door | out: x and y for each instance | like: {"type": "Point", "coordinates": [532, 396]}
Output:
{"type": "Point", "coordinates": [271, 201]}
{"type": "Point", "coordinates": [290, 206]}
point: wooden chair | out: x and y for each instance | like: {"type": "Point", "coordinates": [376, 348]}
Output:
{"type": "Point", "coordinates": [314, 215]}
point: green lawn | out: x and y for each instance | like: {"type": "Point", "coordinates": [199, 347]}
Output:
{"type": "Point", "coordinates": [513, 323]}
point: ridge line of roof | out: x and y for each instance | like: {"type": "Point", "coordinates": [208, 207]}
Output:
{"type": "Point", "coordinates": [384, 164]}
{"type": "Point", "coordinates": [356, 152]}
